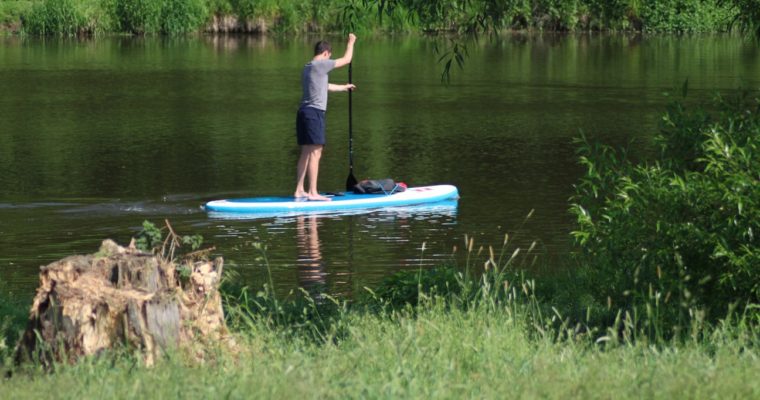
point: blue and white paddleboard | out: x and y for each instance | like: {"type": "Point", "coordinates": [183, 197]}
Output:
{"type": "Point", "coordinates": [346, 201]}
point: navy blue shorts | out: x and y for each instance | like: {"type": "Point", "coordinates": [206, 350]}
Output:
{"type": "Point", "coordinates": [310, 126]}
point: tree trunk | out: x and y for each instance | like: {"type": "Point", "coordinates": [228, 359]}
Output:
{"type": "Point", "coordinates": [123, 297]}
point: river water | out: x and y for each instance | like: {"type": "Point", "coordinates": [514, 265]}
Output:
{"type": "Point", "coordinates": [98, 135]}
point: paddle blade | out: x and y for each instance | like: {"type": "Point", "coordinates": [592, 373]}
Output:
{"type": "Point", "coordinates": [350, 182]}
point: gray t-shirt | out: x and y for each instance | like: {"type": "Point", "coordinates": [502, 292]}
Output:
{"type": "Point", "coordinates": [314, 82]}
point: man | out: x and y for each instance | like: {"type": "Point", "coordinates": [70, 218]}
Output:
{"type": "Point", "coordinates": [310, 121]}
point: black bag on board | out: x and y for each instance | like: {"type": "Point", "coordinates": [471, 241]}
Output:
{"type": "Point", "coordinates": [376, 186]}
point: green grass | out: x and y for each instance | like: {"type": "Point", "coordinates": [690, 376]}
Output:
{"type": "Point", "coordinates": [435, 353]}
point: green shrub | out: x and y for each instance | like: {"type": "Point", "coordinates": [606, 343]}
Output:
{"type": "Point", "coordinates": [12, 10]}
{"type": "Point", "coordinates": [14, 314]}
{"type": "Point", "coordinates": [159, 16]}
{"type": "Point", "coordinates": [256, 8]}
{"type": "Point", "coordinates": [55, 17]}
{"type": "Point", "coordinates": [557, 15]}
{"type": "Point", "coordinates": [182, 16]}
{"type": "Point", "coordinates": [220, 6]}
{"type": "Point", "coordinates": [137, 16]}
{"type": "Point", "coordinates": [747, 14]}
{"type": "Point", "coordinates": [679, 233]}
{"type": "Point", "coordinates": [686, 15]}
{"type": "Point", "coordinates": [406, 287]}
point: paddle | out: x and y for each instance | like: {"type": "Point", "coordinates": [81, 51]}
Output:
{"type": "Point", "coordinates": [351, 180]}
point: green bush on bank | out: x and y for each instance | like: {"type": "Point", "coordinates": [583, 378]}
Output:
{"type": "Point", "coordinates": [76, 17]}
{"type": "Point", "coordinates": [12, 10]}
{"type": "Point", "coordinates": [748, 17]}
{"type": "Point", "coordinates": [686, 16]}
{"type": "Point", "coordinates": [64, 17]}
{"type": "Point", "coordinates": [157, 16]}
{"type": "Point", "coordinates": [183, 16]}
{"type": "Point", "coordinates": [573, 15]}
{"type": "Point", "coordinates": [679, 233]}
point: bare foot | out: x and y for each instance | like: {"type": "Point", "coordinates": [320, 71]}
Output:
{"type": "Point", "coordinates": [318, 197]}
{"type": "Point", "coordinates": [300, 194]}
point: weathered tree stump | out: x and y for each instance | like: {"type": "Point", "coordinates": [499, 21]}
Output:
{"type": "Point", "coordinates": [123, 297]}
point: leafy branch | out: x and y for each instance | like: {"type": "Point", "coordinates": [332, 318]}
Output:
{"type": "Point", "coordinates": [151, 238]}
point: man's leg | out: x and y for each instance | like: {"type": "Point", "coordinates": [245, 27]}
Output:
{"type": "Point", "coordinates": [303, 162]}
{"type": "Point", "coordinates": [313, 171]}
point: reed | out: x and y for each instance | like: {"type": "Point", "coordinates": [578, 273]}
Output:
{"type": "Point", "coordinates": [63, 17]}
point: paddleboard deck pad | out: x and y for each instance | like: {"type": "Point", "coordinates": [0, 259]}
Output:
{"type": "Point", "coordinates": [345, 201]}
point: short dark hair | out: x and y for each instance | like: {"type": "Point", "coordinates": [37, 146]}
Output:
{"type": "Point", "coordinates": [321, 47]}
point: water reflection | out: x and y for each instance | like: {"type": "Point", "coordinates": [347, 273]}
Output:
{"type": "Point", "coordinates": [311, 267]}
{"type": "Point", "coordinates": [338, 253]}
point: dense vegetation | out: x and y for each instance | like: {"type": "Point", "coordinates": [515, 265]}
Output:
{"type": "Point", "coordinates": [68, 17]}
{"type": "Point", "coordinates": [676, 236]}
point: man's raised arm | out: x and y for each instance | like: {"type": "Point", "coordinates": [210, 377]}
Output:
{"type": "Point", "coordinates": [346, 59]}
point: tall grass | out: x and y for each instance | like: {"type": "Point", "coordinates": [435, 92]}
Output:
{"type": "Point", "coordinates": [433, 354]}
{"type": "Point", "coordinates": [158, 16]}
{"type": "Point", "coordinates": [64, 17]}
{"type": "Point", "coordinates": [13, 316]}
{"type": "Point", "coordinates": [551, 305]}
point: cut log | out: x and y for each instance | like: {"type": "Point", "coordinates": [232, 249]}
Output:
{"type": "Point", "coordinates": [124, 298]}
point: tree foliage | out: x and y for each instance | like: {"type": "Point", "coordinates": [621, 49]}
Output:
{"type": "Point", "coordinates": [748, 15]}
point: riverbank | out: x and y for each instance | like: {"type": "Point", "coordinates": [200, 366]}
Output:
{"type": "Point", "coordinates": [428, 351]}
{"type": "Point", "coordinates": [87, 17]}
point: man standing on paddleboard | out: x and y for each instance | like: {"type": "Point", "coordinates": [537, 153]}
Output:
{"type": "Point", "coordinates": [310, 121]}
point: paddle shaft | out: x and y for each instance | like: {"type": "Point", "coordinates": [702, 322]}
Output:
{"type": "Point", "coordinates": [351, 180]}
{"type": "Point", "coordinates": [350, 124]}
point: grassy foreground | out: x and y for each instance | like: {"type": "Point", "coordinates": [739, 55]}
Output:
{"type": "Point", "coordinates": [479, 353]}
